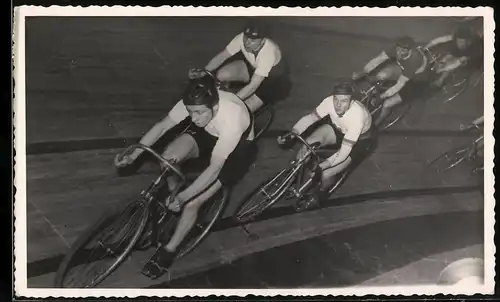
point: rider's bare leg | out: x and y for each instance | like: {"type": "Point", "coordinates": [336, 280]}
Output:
{"type": "Point", "coordinates": [189, 215]}
{"type": "Point", "coordinates": [386, 107]}
{"type": "Point", "coordinates": [182, 148]}
{"type": "Point", "coordinates": [442, 77]}
{"type": "Point", "coordinates": [254, 102]}
{"type": "Point", "coordinates": [324, 135]}
{"type": "Point", "coordinates": [234, 72]}
{"type": "Point", "coordinates": [328, 179]}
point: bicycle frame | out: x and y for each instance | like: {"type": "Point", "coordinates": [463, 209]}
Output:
{"type": "Point", "coordinates": [149, 195]}
{"type": "Point", "coordinates": [297, 164]}
{"type": "Point", "coordinates": [375, 87]}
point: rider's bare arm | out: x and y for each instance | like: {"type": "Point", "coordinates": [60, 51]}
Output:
{"type": "Point", "coordinates": [152, 136]}
{"type": "Point", "coordinates": [217, 61]}
{"type": "Point", "coordinates": [264, 66]}
{"type": "Point", "coordinates": [322, 110]}
{"type": "Point", "coordinates": [207, 177]}
{"type": "Point", "coordinates": [305, 122]}
{"type": "Point", "coordinates": [339, 156]}
{"type": "Point", "coordinates": [454, 64]}
{"type": "Point", "coordinates": [375, 62]}
{"type": "Point", "coordinates": [439, 40]}
{"type": "Point", "coordinates": [350, 139]}
{"type": "Point", "coordinates": [478, 121]}
{"type": "Point", "coordinates": [395, 88]}
{"type": "Point", "coordinates": [231, 49]}
{"type": "Point", "coordinates": [226, 144]}
{"type": "Point", "coordinates": [251, 87]}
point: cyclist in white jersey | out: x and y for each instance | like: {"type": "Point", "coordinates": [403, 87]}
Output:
{"type": "Point", "coordinates": [349, 123]}
{"type": "Point", "coordinates": [219, 127]}
{"type": "Point", "coordinates": [255, 60]}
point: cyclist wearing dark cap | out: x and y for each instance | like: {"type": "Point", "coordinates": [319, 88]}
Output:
{"type": "Point", "coordinates": [404, 63]}
{"type": "Point", "coordinates": [256, 60]}
{"type": "Point", "coordinates": [218, 127]}
{"type": "Point", "coordinates": [464, 47]}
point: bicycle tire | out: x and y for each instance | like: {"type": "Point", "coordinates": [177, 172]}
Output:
{"type": "Point", "coordinates": [396, 115]}
{"type": "Point", "coordinates": [259, 132]}
{"type": "Point", "coordinates": [339, 181]}
{"type": "Point", "coordinates": [96, 229]}
{"type": "Point", "coordinates": [243, 216]}
{"type": "Point", "coordinates": [205, 226]}
{"type": "Point", "coordinates": [448, 159]}
{"type": "Point", "coordinates": [462, 85]}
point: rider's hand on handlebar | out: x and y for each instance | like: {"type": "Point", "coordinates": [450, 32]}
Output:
{"type": "Point", "coordinates": [124, 161]}
{"type": "Point", "coordinates": [195, 73]}
{"type": "Point", "coordinates": [284, 139]}
{"type": "Point", "coordinates": [468, 127]}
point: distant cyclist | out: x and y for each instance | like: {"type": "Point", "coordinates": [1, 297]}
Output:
{"type": "Point", "coordinates": [479, 148]}
{"type": "Point", "coordinates": [219, 127]}
{"type": "Point", "coordinates": [349, 125]}
{"type": "Point", "coordinates": [464, 47]}
{"type": "Point", "coordinates": [405, 64]}
{"type": "Point", "coordinates": [254, 59]}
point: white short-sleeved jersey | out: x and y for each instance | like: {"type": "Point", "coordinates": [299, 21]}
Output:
{"type": "Point", "coordinates": [229, 124]}
{"type": "Point", "coordinates": [266, 58]}
{"type": "Point", "coordinates": [355, 121]}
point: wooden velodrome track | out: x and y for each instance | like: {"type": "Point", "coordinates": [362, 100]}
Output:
{"type": "Point", "coordinates": [94, 86]}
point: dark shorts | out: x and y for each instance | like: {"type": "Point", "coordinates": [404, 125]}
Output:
{"type": "Point", "coordinates": [276, 86]}
{"type": "Point", "coordinates": [238, 162]}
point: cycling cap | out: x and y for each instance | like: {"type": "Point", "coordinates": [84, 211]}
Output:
{"type": "Point", "coordinates": [343, 87]}
{"type": "Point", "coordinates": [201, 91]}
{"type": "Point", "coordinates": [405, 42]}
{"type": "Point", "coordinates": [253, 31]}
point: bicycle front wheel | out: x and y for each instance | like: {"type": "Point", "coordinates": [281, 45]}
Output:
{"type": "Point", "coordinates": [265, 196]}
{"type": "Point", "coordinates": [449, 159]}
{"type": "Point", "coordinates": [103, 247]}
{"type": "Point", "coordinates": [209, 214]}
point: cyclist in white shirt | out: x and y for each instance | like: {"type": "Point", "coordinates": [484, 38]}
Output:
{"type": "Point", "coordinates": [219, 127]}
{"type": "Point", "coordinates": [255, 60]}
{"type": "Point", "coordinates": [349, 124]}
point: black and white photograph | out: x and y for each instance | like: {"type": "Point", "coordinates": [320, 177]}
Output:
{"type": "Point", "coordinates": [191, 151]}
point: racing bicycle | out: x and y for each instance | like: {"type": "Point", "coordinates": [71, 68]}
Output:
{"type": "Point", "coordinates": [139, 224]}
{"type": "Point", "coordinates": [297, 181]}
{"type": "Point", "coordinates": [370, 92]}
{"type": "Point", "coordinates": [454, 157]}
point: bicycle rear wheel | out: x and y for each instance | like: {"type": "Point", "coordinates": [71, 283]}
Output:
{"type": "Point", "coordinates": [449, 159]}
{"type": "Point", "coordinates": [263, 119]}
{"type": "Point", "coordinates": [264, 196]}
{"type": "Point", "coordinates": [209, 214]}
{"type": "Point", "coordinates": [455, 87]}
{"type": "Point", "coordinates": [114, 235]}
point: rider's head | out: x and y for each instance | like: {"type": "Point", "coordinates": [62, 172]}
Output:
{"type": "Point", "coordinates": [404, 46]}
{"type": "Point", "coordinates": [200, 97]}
{"type": "Point", "coordinates": [462, 37]}
{"type": "Point", "coordinates": [253, 36]}
{"type": "Point", "coordinates": [342, 96]}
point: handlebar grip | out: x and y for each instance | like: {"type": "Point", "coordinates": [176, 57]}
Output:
{"type": "Point", "coordinates": [130, 148]}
